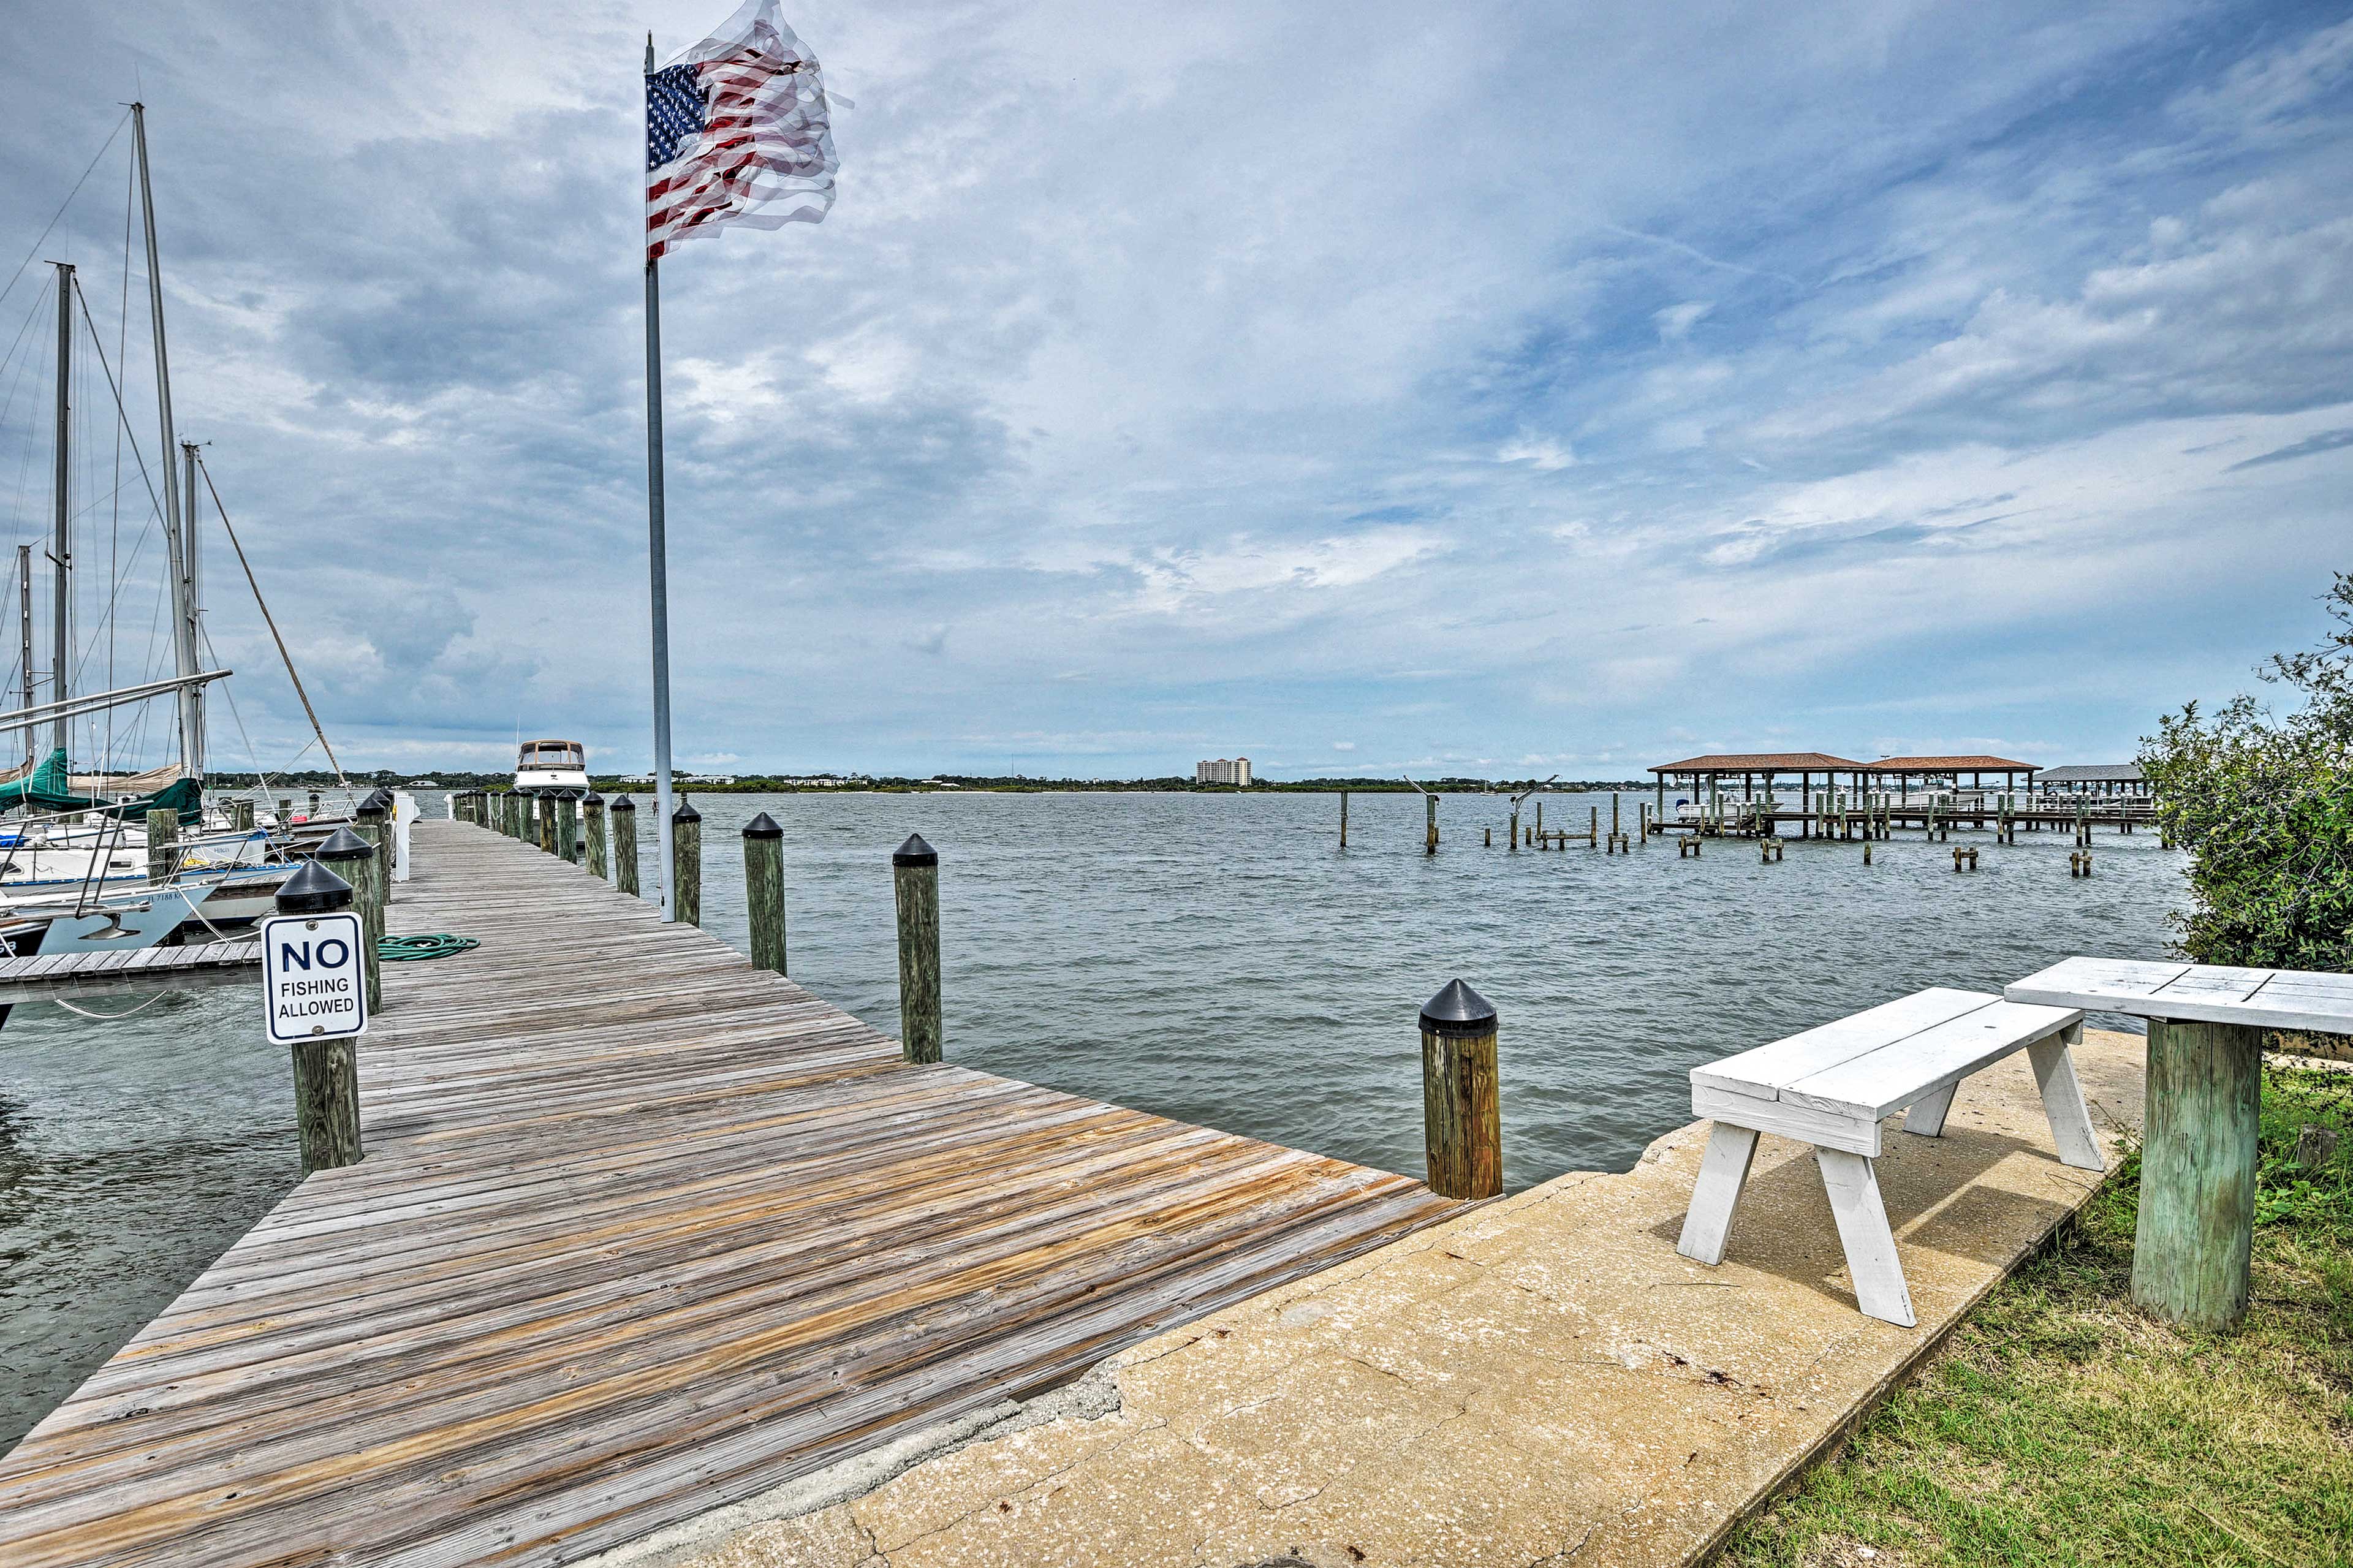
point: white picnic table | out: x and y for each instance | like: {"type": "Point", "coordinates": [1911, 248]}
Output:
{"type": "Point", "coordinates": [1832, 1085]}
{"type": "Point", "coordinates": [2195, 1230]}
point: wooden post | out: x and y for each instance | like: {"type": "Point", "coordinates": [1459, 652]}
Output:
{"type": "Point", "coordinates": [1593, 827]}
{"type": "Point", "coordinates": [915, 880]}
{"type": "Point", "coordinates": [1462, 1110]}
{"type": "Point", "coordinates": [1540, 826]}
{"type": "Point", "coordinates": [314, 802]}
{"type": "Point", "coordinates": [1343, 819]}
{"type": "Point", "coordinates": [686, 853]}
{"type": "Point", "coordinates": [162, 845]}
{"type": "Point", "coordinates": [600, 860]}
{"type": "Point", "coordinates": [625, 845]}
{"type": "Point", "coordinates": [567, 829]}
{"type": "Point", "coordinates": [352, 857]}
{"type": "Point", "coordinates": [1643, 811]}
{"type": "Point", "coordinates": [1429, 825]}
{"type": "Point", "coordinates": [546, 808]}
{"type": "Point", "coordinates": [1514, 844]}
{"type": "Point", "coordinates": [241, 814]}
{"type": "Point", "coordinates": [764, 891]}
{"type": "Point", "coordinates": [1490, 840]}
{"type": "Point", "coordinates": [2198, 1173]}
{"type": "Point", "coordinates": [372, 822]}
{"type": "Point", "coordinates": [285, 812]}
{"type": "Point", "coordinates": [326, 1072]}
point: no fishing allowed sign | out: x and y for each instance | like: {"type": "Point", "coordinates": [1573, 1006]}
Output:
{"type": "Point", "coordinates": [311, 983]}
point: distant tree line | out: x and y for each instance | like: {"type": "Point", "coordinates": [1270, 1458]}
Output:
{"type": "Point", "coordinates": [759, 783]}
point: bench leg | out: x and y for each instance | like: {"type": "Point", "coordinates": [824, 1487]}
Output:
{"type": "Point", "coordinates": [1926, 1116]}
{"type": "Point", "coordinates": [2063, 1101]}
{"type": "Point", "coordinates": [1853, 1187]}
{"type": "Point", "coordinates": [1723, 1172]}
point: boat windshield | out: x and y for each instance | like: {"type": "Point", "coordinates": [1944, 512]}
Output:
{"type": "Point", "coordinates": [552, 754]}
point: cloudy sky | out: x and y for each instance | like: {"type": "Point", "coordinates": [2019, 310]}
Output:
{"type": "Point", "coordinates": [1480, 389]}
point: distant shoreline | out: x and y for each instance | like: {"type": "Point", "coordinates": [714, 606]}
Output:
{"type": "Point", "coordinates": [949, 784]}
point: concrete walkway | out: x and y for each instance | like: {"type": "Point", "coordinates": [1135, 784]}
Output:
{"type": "Point", "coordinates": [1540, 1382]}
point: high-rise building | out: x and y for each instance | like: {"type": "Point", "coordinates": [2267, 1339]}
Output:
{"type": "Point", "coordinates": [1223, 771]}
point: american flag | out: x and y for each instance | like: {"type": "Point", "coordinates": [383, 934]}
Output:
{"type": "Point", "coordinates": [738, 131]}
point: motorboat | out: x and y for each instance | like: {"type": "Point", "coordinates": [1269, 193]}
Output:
{"type": "Point", "coordinates": [552, 767]}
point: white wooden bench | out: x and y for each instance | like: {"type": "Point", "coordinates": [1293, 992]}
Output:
{"type": "Point", "coordinates": [1830, 1086]}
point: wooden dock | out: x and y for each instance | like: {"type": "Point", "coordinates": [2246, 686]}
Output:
{"type": "Point", "coordinates": [56, 975]}
{"type": "Point", "coordinates": [642, 1231]}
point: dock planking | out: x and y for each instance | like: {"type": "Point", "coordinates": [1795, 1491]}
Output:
{"type": "Point", "coordinates": [642, 1231]}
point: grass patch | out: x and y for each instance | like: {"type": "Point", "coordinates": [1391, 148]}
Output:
{"type": "Point", "coordinates": [2058, 1425]}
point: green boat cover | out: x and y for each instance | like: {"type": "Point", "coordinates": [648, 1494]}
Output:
{"type": "Point", "coordinates": [49, 787]}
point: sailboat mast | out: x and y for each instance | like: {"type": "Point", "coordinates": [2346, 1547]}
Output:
{"type": "Point", "coordinates": [191, 562]}
{"type": "Point", "coordinates": [183, 616]}
{"type": "Point", "coordinates": [25, 623]}
{"type": "Point", "coordinates": [61, 548]}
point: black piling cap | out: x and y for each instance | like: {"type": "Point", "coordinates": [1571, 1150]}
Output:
{"type": "Point", "coordinates": [685, 811]}
{"type": "Point", "coordinates": [1458, 1010]}
{"type": "Point", "coordinates": [371, 806]}
{"type": "Point", "coordinates": [763, 826]}
{"type": "Point", "coordinates": [344, 845]}
{"type": "Point", "coordinates": [914, 852]}
{"type": "Point", "coordinates": [313, 889]}
{"type": "Point", "coordinates": [623, 802]}
{"type": "Point", "coordinates": [592, 799]}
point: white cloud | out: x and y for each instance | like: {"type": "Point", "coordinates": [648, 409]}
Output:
{"type": "Point", "coordinates": [1543, 454]}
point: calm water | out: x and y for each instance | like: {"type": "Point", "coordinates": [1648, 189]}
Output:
{"type": "Point", "coordinates": [1213, 958]}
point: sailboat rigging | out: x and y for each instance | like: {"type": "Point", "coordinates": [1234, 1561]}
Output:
{"type": "Point", "coordinates": [76, 866]}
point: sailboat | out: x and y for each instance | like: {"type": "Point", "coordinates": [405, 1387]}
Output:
{"type": "Point", "coordinates": [74, 852]}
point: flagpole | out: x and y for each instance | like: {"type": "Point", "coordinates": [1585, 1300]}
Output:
{"type": "Point", "coordinates": [657, 549]}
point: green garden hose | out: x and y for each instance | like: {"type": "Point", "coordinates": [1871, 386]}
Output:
{"type": "Point", "coordinates": [440, 945]}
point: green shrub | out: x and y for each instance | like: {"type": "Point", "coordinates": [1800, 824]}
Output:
{"type": "Point", "coordinates": [2264, 804]}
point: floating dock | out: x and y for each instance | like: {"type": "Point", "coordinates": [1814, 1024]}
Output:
{"type": "Point", "coordinates": [642, 1231]}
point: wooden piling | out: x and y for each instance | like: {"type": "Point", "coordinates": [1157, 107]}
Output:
{"type": "Point", "coordinates": [686, 856]}
{"type": "Point", "coordinates": [764, 891]}
{"type": "Point", "coordinates": [1461, 1110]}
{"type": "Point", "coordinates": [592, 817]}
{"type": "Point", "coordinates": [1490, 840]}
{"type": "Point", "coordinates": [567, 829]}
{"type": "Point", "coordinates": [1343, 819]}
{"type": "Point", "coordinates": [162, 845]}
{"type": "Point", "coordinates": [285, 812]}
{"type": "Point", "coordinates": [326, 1072]}
{"type": "Point", "coordinates": [915, 882]}
{"type": "Point", "coordinates": [2190, 1259]}
{"type": "Point", "coordinates": [544, 811]}
{"type": "Point", "coordinates": [352, 855]}
{"type": "Point", "coordinates": [1514, 844]}
{"type": "Point", "coordinates": [624, 814]}
{"type": "Point", "coordinates": [1429, 825]}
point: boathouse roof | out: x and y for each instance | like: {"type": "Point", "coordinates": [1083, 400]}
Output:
{"type": "Point", "coordinates": [2096, 773]}
{"type": "Point", "coordinates": [1761, 762]}
{"type": "Point", "coordinates": [1954, 764]}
